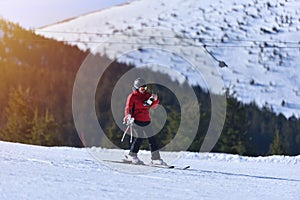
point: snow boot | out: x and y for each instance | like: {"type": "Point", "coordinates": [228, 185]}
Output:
{"type": "Point", "coordinates": [158, 162]}
{"type": "Point", "coordinates": [133, 159]}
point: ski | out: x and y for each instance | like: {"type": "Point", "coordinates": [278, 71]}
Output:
{"type": "Point", "coordinates": [169, 166]}
{"type": "Point", "coordinates": [162, 166]}
{"type": "Point", "coordinates": [150, 165]}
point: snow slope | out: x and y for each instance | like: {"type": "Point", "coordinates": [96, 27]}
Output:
{"type": "Point", "coordinates": [34, 172]}
{"type": "Point", "coordinates": [258, 40]}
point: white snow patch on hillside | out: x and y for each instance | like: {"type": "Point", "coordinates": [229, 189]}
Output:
{"type": "Point", "coordinates": [258, 40]}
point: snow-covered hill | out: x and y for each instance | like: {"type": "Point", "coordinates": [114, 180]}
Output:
{"type": "Point", "coordinates": [34, 172]}
{"type": "Point", "coordinates": [258, 40]}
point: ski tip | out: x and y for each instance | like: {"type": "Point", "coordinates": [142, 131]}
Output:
{"type": "Point", "coordinates": [186, 167]}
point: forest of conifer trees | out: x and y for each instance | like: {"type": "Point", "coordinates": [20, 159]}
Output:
{"type": "Point", "coordinates": [37, 78]}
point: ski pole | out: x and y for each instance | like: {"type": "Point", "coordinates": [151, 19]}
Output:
{"type": "Point", "coordinates": [130, 133]}
{"type": "Point", "coordinates": [124, 133]}
{"type": "Point", "coordinates": [129, 126]}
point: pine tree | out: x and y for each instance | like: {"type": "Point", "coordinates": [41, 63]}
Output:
{"type": "Point", "coordinates": [23, 122]}
{"type": "Point", "coordinates": [277, 146]}
{"type": "Point", "coordinates": [18, 115]}
{"type": "Point", "coordinates": [44, 129]}
{"type": "Point", "coordinates": [234, 137]}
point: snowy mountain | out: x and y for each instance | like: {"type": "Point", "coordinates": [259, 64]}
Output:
{"type": "Point", "coordinates": [48, 11]}
{"type": "Point", "coordinates": [257, 40]}
{"type": "Point", "coordinates": [34, 172]}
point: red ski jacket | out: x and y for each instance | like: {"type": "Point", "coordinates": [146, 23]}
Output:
{"type": "Point", "coordinates": [135, 106]}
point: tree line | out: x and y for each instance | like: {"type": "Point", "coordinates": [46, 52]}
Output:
{"type": "Point", "coordinates": [37, 78]}
{"type": "Point", "coordinates": [248, 129]}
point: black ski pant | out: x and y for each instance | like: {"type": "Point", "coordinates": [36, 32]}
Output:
{"type": "Point", "coordinates": [143, 130]}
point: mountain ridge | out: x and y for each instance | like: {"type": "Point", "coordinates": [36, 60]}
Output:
{"type": "Point", "coordinates": [257, 40]}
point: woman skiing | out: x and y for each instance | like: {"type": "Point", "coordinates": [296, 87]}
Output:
{"type": "Point", "coordinates": [137, 109]}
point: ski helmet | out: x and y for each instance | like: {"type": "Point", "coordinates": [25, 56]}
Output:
{"type": "Point", "coordinates": [139, 82]}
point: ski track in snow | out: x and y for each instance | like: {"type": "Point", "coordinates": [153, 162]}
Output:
{"type": "Point", "coordinates": [241, 34]}
{"type": "Point", "coordinates": [33, 172]}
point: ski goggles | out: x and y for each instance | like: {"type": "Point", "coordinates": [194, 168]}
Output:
{"type": "Point", "coordinates": [143, 88]}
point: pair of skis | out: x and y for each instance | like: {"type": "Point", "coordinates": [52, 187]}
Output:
{"type": "Point", "coordinates": [129, 122]}
{"type": "Point", "coordinates": [150, 165]}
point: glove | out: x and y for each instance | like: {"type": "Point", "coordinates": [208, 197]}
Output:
{"type": "Point", "coordinates": [154, 96]}
{"type": "Point", "coordinates": [128, 120]}
{"type": "Point", "coordinates": [150, 100]}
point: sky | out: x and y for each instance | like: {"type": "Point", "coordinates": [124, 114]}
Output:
{"type": "Point", "coordinates": [33, 14]}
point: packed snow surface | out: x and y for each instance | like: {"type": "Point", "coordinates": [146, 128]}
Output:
{"type": "Point", "coordinates": [34, 172]}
